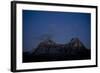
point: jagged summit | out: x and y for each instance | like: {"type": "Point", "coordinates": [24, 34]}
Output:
{"type": "Point", "coordinates": [48, 42]}
{"type": "Point", "coordinates": [76, 43]}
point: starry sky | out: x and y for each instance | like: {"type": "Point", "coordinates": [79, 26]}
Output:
{"type": "Point", "coordinates": [59, 26]}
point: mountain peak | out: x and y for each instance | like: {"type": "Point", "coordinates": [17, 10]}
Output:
{"type": "Point", "coordinates": [46, 43]}
{"type": "Point", "coordinates": [76, 43]}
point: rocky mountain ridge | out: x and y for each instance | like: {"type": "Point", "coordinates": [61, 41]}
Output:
{"type": "Point", "coordinates": [48, 50]}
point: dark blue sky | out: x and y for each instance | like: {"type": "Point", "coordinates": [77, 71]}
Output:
{"type": "Point", "coordinates": [60, 26]}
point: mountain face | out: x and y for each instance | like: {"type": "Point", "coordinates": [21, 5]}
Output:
{"type": "Point", "coordinates": [76, 43]}
{"type": "Point", "coordinates": [76, 49]}
{"type": "Point", "coordinates": [49, 50]}
{"type": "Point", "coordinates": [48, 47]}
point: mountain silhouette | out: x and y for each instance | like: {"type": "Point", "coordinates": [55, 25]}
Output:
{"type": "Point", "coordinates": [76, 43]}
{"type": "Point", "coordinates": [48, 50]}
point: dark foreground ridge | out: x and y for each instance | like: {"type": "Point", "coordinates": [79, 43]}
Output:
{"type": "Point", "coordinates": [48, 50]}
